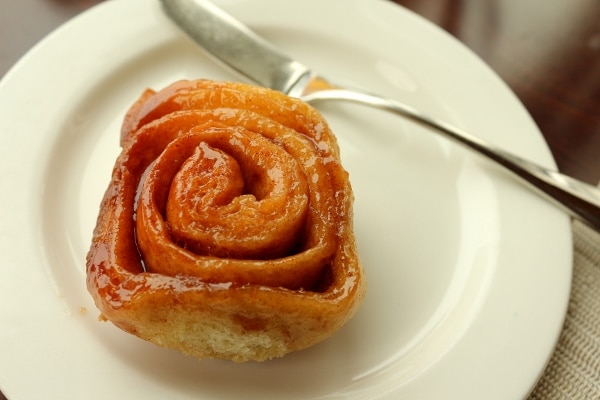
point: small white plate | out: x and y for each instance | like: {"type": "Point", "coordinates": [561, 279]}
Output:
{"type": "Point", "coordinates": [469, 272]}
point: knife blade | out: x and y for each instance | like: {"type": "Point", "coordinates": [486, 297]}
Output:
{"type": "Point", "coordinates": [235, 45]}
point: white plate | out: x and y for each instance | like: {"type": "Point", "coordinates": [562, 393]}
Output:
{"type": "Point", "coordinates": [468, 272]}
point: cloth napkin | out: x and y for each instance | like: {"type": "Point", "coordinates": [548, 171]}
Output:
{"type": "Point", "coordinates": [573, 372]}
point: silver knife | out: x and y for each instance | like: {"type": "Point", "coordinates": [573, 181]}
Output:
{"type": "Point", "coordinates": [235, 45]}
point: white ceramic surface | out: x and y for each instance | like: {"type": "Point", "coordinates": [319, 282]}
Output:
{"type": "Point", "coordinates": [469, 273]}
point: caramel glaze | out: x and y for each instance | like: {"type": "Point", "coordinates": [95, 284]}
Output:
{"type": "Point", "coordinates": [226, 198]}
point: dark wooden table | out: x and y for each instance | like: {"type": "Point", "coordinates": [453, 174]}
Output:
{"type": "Point", "coordinates": [548, 51]}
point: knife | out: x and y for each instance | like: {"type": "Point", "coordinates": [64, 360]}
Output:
{"type": "Point", "coordinates": [234, 44]}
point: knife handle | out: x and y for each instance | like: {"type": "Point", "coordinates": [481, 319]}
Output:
{"type": "Point", "coordinates": [577, 198]}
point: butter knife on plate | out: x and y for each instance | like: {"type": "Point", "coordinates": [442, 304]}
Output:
{"type": "Point", "coordinates": [238, 47]}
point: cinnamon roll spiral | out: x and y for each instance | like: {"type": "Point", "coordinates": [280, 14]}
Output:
{"type": "Point", "coordinates": [226, 230]}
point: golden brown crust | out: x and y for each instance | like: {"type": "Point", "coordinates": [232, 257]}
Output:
{"type": "Point", "coordinates": [226, 230]}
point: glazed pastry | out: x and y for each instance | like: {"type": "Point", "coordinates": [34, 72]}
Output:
{"type": "Point", "coordinates": [226, 230]}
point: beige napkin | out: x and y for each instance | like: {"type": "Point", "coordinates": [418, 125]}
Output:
{"type": "Point", "coordinates": [573, 373]}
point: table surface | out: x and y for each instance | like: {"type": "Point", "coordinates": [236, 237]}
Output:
{"type": "Point", "coordinates": [547, 51]}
